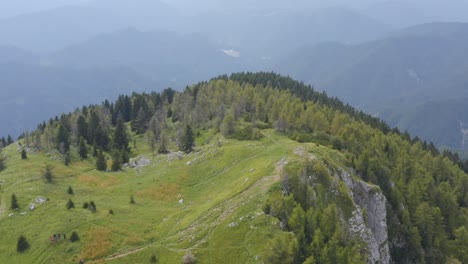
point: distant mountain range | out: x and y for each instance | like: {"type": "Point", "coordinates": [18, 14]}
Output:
{"type": "Point", "coordinates": [420, 68]}
{"type": "Point", "coordinates": [359, 55]}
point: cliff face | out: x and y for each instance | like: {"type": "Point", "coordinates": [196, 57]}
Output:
{"type": "Point", "coordinates": [369, 219]}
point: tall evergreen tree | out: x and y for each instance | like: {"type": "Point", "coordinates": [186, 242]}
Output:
{"type": "Point", "coordinates": [63, 139]}
{"type": "Point", "coordinates": [82, 128]}
{"type": "Point", "coordinates": [116, 160]}
{"type": "Point", "coordinates": [9, 140]}
{"type": "Point", "coordinates": [188, 140]}
{"type": "Point", "coordinates": [48, 176]}
{"type": "Point", "coordinates": [101, 163]}
{"type": "Point", "coordinates": [67, 158]}
{"type": "Point", "coordinates": [120, 136]}
{"type": "Point", "coordinates": [83, 149]}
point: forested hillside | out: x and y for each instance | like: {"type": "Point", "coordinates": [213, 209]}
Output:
{"type": "Point", "coordinates": [279, 162]}
{"type": "Point", "coordinates": [402, 78]}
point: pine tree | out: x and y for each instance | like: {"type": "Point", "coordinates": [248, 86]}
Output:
{"type": "Point", "coordinates": [14, 202]}
{"type": "Point", "coordinates": [74, 237]}
{"type": "Point", "coordinates": [63, 139]}
{"type": "Point", "coordinates": [120, 136]}
{"type": "Point", "coordinates": [163, 144]}
{"type": "Point", "coordinates": [22, 244]}
{"type": "Point", "coordinates": [187, 142]}
{"type": "Point", "coordinates": [24, 155]}
{"type": "Point", "coordinates": [70, 204]}
{"type": "Point", "coordinates": [66, 158]}
{"type": "Point", "coordinates": [48, 176]}
{"type": "Point", "coordinates": [83, 149]}
{"type": "Point", "coordinates": [116, 161]}
{"type": "Point", "coordinates": [101, 163]}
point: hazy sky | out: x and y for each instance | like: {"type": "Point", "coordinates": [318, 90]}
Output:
{"type": "Point", "coordinates": [10, 8]}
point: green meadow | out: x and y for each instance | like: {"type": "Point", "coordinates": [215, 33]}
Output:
{"type": "Point", "coordinates": [208, 202]}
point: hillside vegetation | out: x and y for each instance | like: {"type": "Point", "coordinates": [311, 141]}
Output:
{"type": "Point", "coordinates": [246, 168]}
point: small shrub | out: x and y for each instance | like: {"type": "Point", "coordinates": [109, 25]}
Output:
{"type": "Point", "coordinates": [74, 237]}
{"type": "Point", "coordinates": [85, 205]}
{"type": "Point", "coordinates": [70, 190]}
{"type": "Point", "coordinates": [153, 259]}
{"type": "Point", "coordinates": [22, 244]}
{"type": "Point", "coordinates": [70, 204]}
{"type": "Point", "coordinates": [92, 206]}
{"type": "Point", "coordinates": [132, 201]}
{"type": "Point", "coordinates": [111, 212]}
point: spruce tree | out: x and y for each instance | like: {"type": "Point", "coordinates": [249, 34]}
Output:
{"type": "Point", "coordinates": [9, 140]}
{"type": "Point", "coordinates": [70, 204]}
{"type": "Point", "coordinates": [66, 158]}
{"type": "Point", "coordinates": [120, 136]}
{"type": "Point", "coordinates": [14, 202]}
{"type": "Point", "coordinates": [74, 237]}
{"type": "Point", "coordinates": [48, 176]}
{"type": "Point", "coordinates": [22, 244]}
{"type": "Point", "coordinates": [83, 149]}
{"type": "Point", "coordinates": [101, 163]}
{"type": "Point", "coordinates": [63, 139]}
{"type": "Point", "coordinates": [116, 161]}
{"type": "Point", "coordinates": [24, 155]}
{"type": "Point", "coordinates": [163, 144]}
{"type": "Point", "coordinates": [187, 142]}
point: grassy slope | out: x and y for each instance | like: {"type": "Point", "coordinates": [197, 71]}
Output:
{"type": "Point", "coordinates": [223, 184]}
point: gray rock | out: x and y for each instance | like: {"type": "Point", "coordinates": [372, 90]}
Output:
{"type": "Point", "coordinates": [370, 226]}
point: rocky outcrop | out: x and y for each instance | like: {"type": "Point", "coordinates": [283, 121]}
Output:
{"type": "Point", "coordinates": [369, 219]}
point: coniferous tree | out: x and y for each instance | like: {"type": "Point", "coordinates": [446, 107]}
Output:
{"type": "Point", "coordinates": [48, 176]}
{"type": "Point", "coordinates": [153, 259]}
{"type": "Point", "coordinates": [74, 237]}
{"type": "Point", "coordinates": [14, 202]}
{"type": "Point", "coordinates": [116, 161]}
{"type": "Point", "coordinates": [163, 144]}
{"type": "Point", "coordinates": [24, 155]}
{"type": "Point", "coordinates": [22, 244]}
{"type": "Point", "coordinates": [120, 136]}
{"type": "Point", "coordinates": [101, 163]}
{"type": "Point", "coordinates": [70, 190]}
{"type": "Point", "coordinates": [187, 141]}
{"type": "Point", "coordinates": [63, 139]}
{"type": "Point", "coordinates": [9, 140]}
{"type": "Point", "coordinates": [83, 149]}
{"type": "Point", "coordinates": [82, 126]}
{"type": "Point", "coordinates": [70, 204]}
{"type": "Point", "coordinates": [67, 158]}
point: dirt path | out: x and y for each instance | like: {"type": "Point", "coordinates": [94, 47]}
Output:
{"type": "Point", "coordinates": [124, 254]}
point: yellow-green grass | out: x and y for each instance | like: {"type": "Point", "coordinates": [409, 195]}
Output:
{"type": "Point", "coordinates": [222, 182]}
